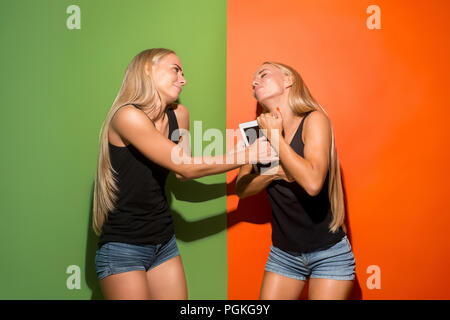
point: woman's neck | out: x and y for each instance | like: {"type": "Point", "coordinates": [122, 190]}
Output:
{"type": "Point", "coordinates": [291, 122]}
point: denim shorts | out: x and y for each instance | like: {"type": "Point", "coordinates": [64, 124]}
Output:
{"type": "Point", "coordinates": [118, 257]}
{"type": "Point", "coordinates": [336, 262]}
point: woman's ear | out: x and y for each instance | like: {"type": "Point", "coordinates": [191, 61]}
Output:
{"type": "Point", "coordinates": [288, 81]}
{"type": "Point", "coordinates": [147, 69]}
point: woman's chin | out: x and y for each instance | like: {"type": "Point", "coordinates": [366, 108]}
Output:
{"type": "Point", "coordinates": [261, 100]}
{"type": "Point", "coordinates": [264, 102]}
{"type": "Point", "coordinates": [265, 98]}
{"type": "Point", "coordinates": [172, 99]}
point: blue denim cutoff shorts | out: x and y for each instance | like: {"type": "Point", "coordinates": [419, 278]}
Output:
{"type": "Point", "coordinates": [336, 262]}
{"type": "Point", "coordinates": [118, 257]}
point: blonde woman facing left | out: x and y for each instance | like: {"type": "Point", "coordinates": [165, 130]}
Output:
{"type": "Point", "coordinates": [308, 235]}
{"type": "Point", "coordinates": [138, 256]}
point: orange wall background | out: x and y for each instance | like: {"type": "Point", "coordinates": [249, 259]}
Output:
{"type": "Point", "coordinates": [386, 93]}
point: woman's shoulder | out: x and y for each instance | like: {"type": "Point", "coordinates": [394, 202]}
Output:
{"type": "Point", "coordinates": [129, 115]}
{"type": "Point", "coordinates": [316, 117]}
{"type": "Point", "coordinates": [130, 111]}
{"type": "Point", "coordinates": [182, 115]}
{"type": "Point", "coordinates": [181, 110]}
{"type": "Point", "coordinates": [315, 122]}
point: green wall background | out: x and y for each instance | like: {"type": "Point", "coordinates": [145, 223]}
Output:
{"type": "Point", "coordinates": [57, 87]}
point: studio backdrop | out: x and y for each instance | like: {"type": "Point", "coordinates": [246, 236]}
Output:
{"type": "Point", "coordinates": [379, 68]}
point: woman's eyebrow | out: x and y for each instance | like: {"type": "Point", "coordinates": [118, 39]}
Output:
{"type": "Point", "coordinates": [178, 67]}
{"type": "Point", "coordinates": [262, 71]}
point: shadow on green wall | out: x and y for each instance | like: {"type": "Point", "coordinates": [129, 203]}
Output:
{"type": "Point", "coordinates": [194, 191]}
{"type": "Point", "coordinates": [91, 248]}
{"type": "Point", "coordinates": [187, 231]}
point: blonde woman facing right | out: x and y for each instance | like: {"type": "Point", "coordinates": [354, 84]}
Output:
{"type": "Point", "coordinates": [138, 256]}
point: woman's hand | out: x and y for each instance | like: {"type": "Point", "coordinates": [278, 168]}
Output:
{"type": "Point", "coordinates": [272, 123]}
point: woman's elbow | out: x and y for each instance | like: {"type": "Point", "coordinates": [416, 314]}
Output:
{"type": "Point", "coordinates": [184, 174]}
{"type": "Point", "coordinates": [181, 177]}
{"type": "Point", "coordinates": [239, 192]}
{"type": "Point", "coordinates": [314, 188]}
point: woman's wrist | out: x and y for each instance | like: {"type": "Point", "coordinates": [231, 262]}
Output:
{"type": "Point", "coordinates": [272, 133]}
{"type": "Point", "coordinates": [275, 141]}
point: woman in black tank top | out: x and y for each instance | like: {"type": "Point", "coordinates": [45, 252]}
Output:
{"type": "Point", "coordinates": [140, 143]}
{"type": "Point", "coordinates": [304, 189]}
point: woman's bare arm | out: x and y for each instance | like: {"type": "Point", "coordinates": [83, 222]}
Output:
{"type": "Point", "coordinates": [182, 115]}
{"type": "Point", "coordinates": [249, 184]}
{"type": "Point", "coordinates": [134, 125]}
{"type": "Point", "coordinates": [311, 170]}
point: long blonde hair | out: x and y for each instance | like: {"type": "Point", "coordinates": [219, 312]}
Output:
{"type": "Point", "coordinates": [137, 88]}
{"type": "Point", "coordinates": [301, 101]}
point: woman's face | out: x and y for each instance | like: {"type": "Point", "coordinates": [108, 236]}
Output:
{"type": "Point", "coordinates": [268, 82]}
{"type": "Point", "coordinates": [168, 77]}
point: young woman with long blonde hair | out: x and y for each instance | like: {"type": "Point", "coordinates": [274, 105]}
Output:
{"type": "Point", "coordinates": [305, 191]}
{"type": "Point", "coordinates": [138, 256]}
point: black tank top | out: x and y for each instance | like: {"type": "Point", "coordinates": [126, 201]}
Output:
{"type": "Point", "coordinates": [142, 214]}
{"type": "Point", "coordinates": [300, 221]}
